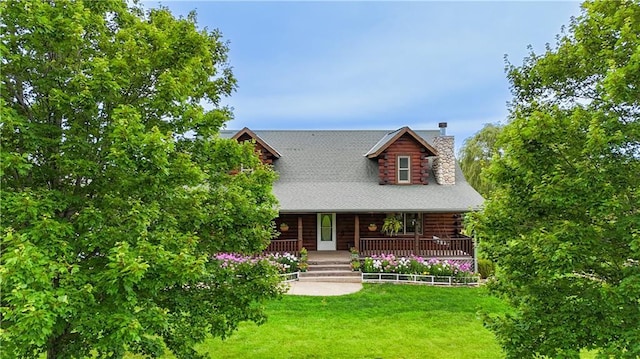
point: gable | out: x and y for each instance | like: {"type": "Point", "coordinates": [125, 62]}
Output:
{"type": "Point", "coordinates": [265, 151]}
{"type": "Point", "coordinates": [392, 137]}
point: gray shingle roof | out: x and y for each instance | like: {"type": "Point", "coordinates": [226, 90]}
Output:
{"type": "Point", "coordinates": [326, 171]}
{"type": "Point", "coordinates": [386, 138]}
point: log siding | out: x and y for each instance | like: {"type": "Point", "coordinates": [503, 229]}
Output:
{"type": "Point", "coordinates": [303, 228]}
{"type": "Point", "coordinates": [419, 161]}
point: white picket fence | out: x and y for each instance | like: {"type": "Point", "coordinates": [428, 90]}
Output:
{"type": "Point", "coordinates": [290, 277]}
{"type": "Point", "coordinates": [418, 279]}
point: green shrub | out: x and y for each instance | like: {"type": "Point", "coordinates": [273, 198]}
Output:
{"type": "Point", "coordinates": [486, 268]}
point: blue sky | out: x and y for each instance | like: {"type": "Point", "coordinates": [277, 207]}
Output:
{"type": "Point", "coordinates": [375, 65]}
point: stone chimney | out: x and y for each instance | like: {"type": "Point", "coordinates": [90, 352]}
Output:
{"type": "Point", "coordinates": [444, 165]}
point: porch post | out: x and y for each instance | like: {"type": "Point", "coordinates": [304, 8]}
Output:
{"type": "Point", "coordinates": [356, 236]}
{"type": "Point", "coordinates": [299, 233]}
{"type": "Point", "coordinates": [416, 235]}
{"type": "Point", "coordinates": [475, 254]}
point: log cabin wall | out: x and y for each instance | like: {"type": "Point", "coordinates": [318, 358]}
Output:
{"type": "Point", "coordinates": [309, 231]}
{"type": "Point", "coordinates": [345, 231]}
{"type": "Point", "coordinates": [368, 218]}
{"type": "Point", "coordinates": [404, 146]}
{"type": "Point", "coordinates": [444, 225]}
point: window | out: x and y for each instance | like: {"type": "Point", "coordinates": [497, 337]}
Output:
{"type": "Point", "coordinates": [404, 171]}
{"type": "Point", "coordinates": [412, 222]}
{"type": "Point", "coordinates": [326, 227]}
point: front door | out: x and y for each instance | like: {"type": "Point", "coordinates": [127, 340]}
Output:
{"type": "Point", "coordinates": [326, 231]}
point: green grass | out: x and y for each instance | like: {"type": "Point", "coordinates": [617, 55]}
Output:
{"type": "Point", "coordinates": [381, 321]}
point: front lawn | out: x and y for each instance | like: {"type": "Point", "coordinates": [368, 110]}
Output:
{"type": "Point", "coordinates": [381, 321]}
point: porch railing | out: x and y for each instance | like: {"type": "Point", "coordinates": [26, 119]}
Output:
{"type": "Point", "coordinates": [446, 247]}
{"type": "Point", "coordinates": [425, 247]}
{"type": "Point", "coordinates": [283, 245]}
{"type": "Point", "coordinates": [397, 246]}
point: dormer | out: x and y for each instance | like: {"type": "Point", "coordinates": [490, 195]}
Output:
{"type": "Point", "coordinates": [266, 153]}
{"type": "Point", "coordinates": [403, 158]}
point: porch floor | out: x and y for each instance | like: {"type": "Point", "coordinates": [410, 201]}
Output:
{"type": "Point", "coordinates": [333, 256]}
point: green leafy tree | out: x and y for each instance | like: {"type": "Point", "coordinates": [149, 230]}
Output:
{"type": "Point", "coordinates": [476, 154]}
{"type": "Point", "coordinates": [116, 189]}
{"type": "Point", "coordinates": [563, 224]}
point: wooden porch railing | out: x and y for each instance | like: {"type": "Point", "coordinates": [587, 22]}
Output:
{"type": "Point", "coordinates": [283, 245]}
{"type": "Point", "coordinates": [446, 247]}
{"type": "Point", "coordinates": [426, 247]}
{"type": "Point", "coordinates": [397, 246]}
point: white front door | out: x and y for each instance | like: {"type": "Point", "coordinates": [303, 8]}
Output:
{"type": "Point", "coordinates": [326, 231]}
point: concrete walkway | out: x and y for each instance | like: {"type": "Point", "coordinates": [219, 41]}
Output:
{"type": "Point", "coordinates": [322, 289]}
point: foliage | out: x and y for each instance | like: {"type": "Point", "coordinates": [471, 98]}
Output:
{"type": "Point", "coordinates": [303, 266]}
{"type": "Point", "coordinates": [379, 321]}
{"type": "Point", "coordinates": [115, 187]}
{"type": "Point", "coordinates": [486, 268]}
{"type": "Point", "coordinates": [286, 262]}
{"type": "Point", "coordinates": [475, 156]}
{"type": "Point", "coordinates": [355, 265]}
{"type": "Point", "coordinates": [389, 263]}
{"type": "Point", "coordinates": [355, 259]}
{"type": "Point", "coordinates": [562, 225]}
{"type": "Point", "coordinates": [392, 225]}
{"type": "Point", "coordinates": [282, 262]}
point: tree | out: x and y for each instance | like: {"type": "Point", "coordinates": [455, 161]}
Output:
{"type": "Point", "coordinates": [563, 224]}
{"type": "Point", "coordinates": [116, 190]}
{"type": "Point", "coordinates": [476, 154]}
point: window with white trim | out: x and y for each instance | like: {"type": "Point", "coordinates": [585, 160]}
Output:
{"type": "Point", "coordinates": [404, 169]}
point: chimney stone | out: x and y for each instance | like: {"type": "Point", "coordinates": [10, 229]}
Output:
{"type": "Point", "coordinates": [444, 165]}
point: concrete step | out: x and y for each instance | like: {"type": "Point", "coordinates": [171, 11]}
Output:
{"type": "Point", "coordinates": [354, 279]}
{"type": "Point", "coordinates": [325, 267]}
{"type": "Point", "coordinates": [328, 261]}
{"type": "Point", "coordinates": [330, 273]}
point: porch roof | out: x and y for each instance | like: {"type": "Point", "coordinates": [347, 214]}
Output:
{"type": "Point", "coordinates": [326, 171]}
{"type": "Point", "coordinates": [372, 197]}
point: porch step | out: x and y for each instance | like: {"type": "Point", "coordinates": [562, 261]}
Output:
{"type": "Point", "coordinates": [330, 267]}
{"type": "Point", "coordinates": [329, 257]}
{"type": "Point", "coordinates": [328, 261]}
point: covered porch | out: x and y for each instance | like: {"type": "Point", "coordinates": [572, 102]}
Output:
{"type": "Point", "coordinates": [436, 235]}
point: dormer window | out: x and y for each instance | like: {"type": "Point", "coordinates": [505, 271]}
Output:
{"type": "Point", "coordinates": [403, 158]}
{"type": "Point", "coordinates": [404, 169]}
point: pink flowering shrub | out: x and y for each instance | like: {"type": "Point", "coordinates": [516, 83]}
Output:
{"type": "Point", "coordinates": [282, 262]}
{"type": "Point", "coordinates": [237, 268]}
{"type": "Point", "coordinates": [389, 263]}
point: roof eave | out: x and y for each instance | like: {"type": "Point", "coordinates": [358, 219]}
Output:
{"type": "Point", "coordinates": [400, 132]}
